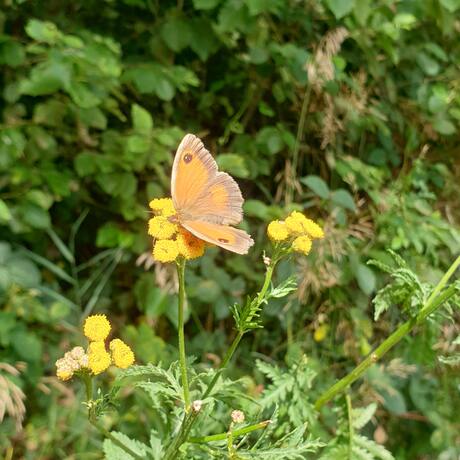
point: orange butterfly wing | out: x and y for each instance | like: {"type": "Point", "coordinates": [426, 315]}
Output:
{"type": "Point", "coordinates": [199, 190]}
{"type": "Point", "coordinates": [232, 239]}
{"type": "Point", "coordinates": [207, 200]}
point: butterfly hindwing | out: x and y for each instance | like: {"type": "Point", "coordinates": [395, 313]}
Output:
{"type": "Point", "coordinates": [232, 239]}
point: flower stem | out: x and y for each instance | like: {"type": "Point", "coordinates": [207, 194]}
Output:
{"type": "Point", "coordinates": [88, 380]}
{"type": "Point", "coordinates": [180, 332]}
{"type": "Point", "coordinates": [235, 433]}
{"type": "Point", "coordinates": [191, 416]}
{"type": "Point", "coordinates": [432, 304]}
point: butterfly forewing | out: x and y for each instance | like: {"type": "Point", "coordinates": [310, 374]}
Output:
{"type": "Point", "coordinates": [199, 191]}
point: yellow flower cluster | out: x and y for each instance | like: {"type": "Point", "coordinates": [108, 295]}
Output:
{"type": "Point", "coordinates": [97, 359]}
{"type": "Point", "coordinates": [296, 230]}
{"type": "Point", "coordinates": [171, 240]}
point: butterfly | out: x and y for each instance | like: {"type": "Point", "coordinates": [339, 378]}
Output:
{"type": "Point", "coordinates": [207, 201]}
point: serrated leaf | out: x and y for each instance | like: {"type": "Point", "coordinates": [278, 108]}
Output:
{"type": "Point", "coordinates": [362, 416]}
{"type": "Point", "coordinates": [285, 288]}
{"type": "Point", "coordinates": [377, 450]}
{"type": "Point", "coordinates": [113, 452]}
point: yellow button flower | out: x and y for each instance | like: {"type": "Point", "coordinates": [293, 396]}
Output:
{"type": "Point", "coordinates": [163, 207]}
{"type": "Point", "coordinates": [96, 328]}
{"type": "Point", "coordinates": [98, 358]}
{"type": "Point", "coordinates": [313, 229]}
{"type": "Point", "coordinates": [165, 250]}
{"type": "Point", "coordinates": [189, 245]}
{"type": "Point", "coordinates": [122, 354]}
{"type": "Point", "coordinates": [277, 231]}
{"type": "Point", "coordinates": [302, 244]}
{"type": "Point", "coordinates": [161, 228]}
{"type": "Point", "coordinates": [294, 223]}
{"type": "Point", "coordinates": [309, 226]}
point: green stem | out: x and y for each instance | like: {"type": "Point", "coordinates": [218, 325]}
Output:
{"type": "Point", "coordinates": [190, 417]}
{"type": "Point", "coordinates": [88, 380]}
{"type": "Point", "coordinates": [235, 433]}
{"type": "Point", "coordinates": [350, 425]}
{"type": "Point", "coordinates": [432, 304]}
{"type": "Point", "coordinates": [181, 336]}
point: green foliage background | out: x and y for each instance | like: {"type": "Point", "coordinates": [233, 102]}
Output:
{"type": "Point", "coordinates": [346, 109]}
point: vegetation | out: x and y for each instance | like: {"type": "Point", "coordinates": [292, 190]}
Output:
{"type": "Point", "coordinates": [345, 110]}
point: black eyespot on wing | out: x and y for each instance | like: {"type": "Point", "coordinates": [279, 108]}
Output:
{"type": "Point", "coordinates": [188, 158]}
{"type": "Point", "coordinates": [222, 240]}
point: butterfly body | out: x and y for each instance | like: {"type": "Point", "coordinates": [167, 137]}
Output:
{"type": "Point", "coordinates": [207, 201]}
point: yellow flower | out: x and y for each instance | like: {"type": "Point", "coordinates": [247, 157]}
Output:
{"type": "Point", "coordinates": [98, 358]}
{"type": "Point", "coordinates": [96, 328]}
{"type": "Point", "coordinates": [299, 224]}
{"type": "Point", "coordinates": [294, 223]}
{"type": "Point", "coordinates": [165, 250]}
{"type": "Point", "coordinates": [122, 354]}
{"type": "Point", "coordinates": [161, 228]}
{"type": "Point", "coordinates": [277, 231]}
{"type": "Point", "coordinates": [313, 229]}
{"type": "Point", "coordinates": [189, 245]}
{"type": "Point", "coordinates": [309, 226]}
{"type": "Point", "coordinates": [321, 332]}
{"type": "Point", "coordinates": [302, 244]}
{"type": "Point", "coordinates": [163, 207]}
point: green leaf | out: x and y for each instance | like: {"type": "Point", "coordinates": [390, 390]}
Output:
{"type": "Point", "coordinates": [340, 8]}
{"type": "Point", "coordinates": [35, 216]}
{"type": "Point", "coordinates": [365, 278]}
{"type": "Point", "coordinates": [450, 5]}
{"type": "Point", "coordinates": [394, 401]}
{"type": "Point", "coordinates": [203, 41]}
{"type": "Point", "coordinates": [256, 208]}
{"type": "Point", "coordinates": [429, 65]}
{"type": "Point", "coordinates": [23, 272]}
{"type": "Point", "coordinates": [5, 214]}
{"type": "Point", "coordinates": [233, 163]}
{"type": "Point", "coordinates": [176, 33]}
{"type": "Point", "coordinates": [152, 79]}
{"type": "Point", "coordinates": [142, 120]}
{"type": "Point", "coordinates": [12, 53]}
{"type": "Point", "coordinates": [110, 236]}
{"type": "Point", "coordinates": [317, 185]}
{"type": "Point", "coordinates": [42, 31]}
{"type": "Point", "coordinates": [113, 452]}
{"type": "Point", "coordinates": [47, 78]}
{"type": "Point", "coordinates": [343, 198]}
{"type": "Point", "coordinates": [270, 140]}
{"type": "Point", "coordinates": [445, 127]}
{"type": "Point", "coordinates": [27, 345]}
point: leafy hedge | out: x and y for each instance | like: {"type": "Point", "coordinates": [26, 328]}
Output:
{"type": "Point", "coordinates": [347, 108]}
